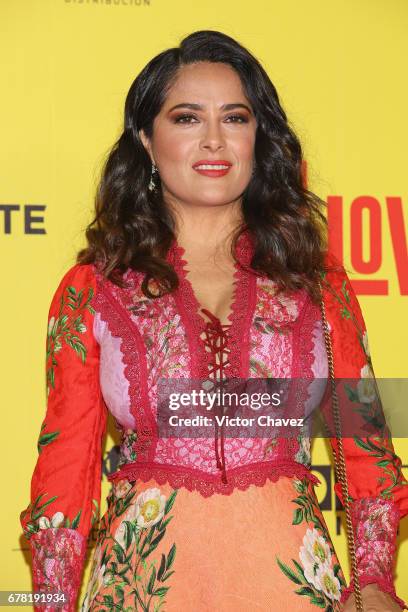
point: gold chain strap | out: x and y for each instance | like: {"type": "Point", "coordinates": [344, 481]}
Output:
{"type": "Point", "coordinates": [339, 463]}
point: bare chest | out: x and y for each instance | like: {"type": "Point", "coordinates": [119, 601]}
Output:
{"type": "Point", "coordinates": [214, 288]}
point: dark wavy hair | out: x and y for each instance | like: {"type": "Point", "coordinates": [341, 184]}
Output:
{"type": "Point", "coordinates": [133, 227]}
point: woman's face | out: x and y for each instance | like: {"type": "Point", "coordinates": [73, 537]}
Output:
{"type": "Point", "coordinates": [220, 127]}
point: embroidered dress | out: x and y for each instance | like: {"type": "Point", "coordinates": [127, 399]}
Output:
{"type": "Point", "coordinates": [199, 523]}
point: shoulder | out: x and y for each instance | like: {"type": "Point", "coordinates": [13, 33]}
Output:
{"type": "Point", "coordinates": [79, 273]}
{"type": "Point", "coordinates": [336, 276]}
{"type": "Point", "coordinates": [338, 290]}
{"type": "Point", "coordinates": [335, 270]}
{"type": "Point", "coordinates": [77, 283]}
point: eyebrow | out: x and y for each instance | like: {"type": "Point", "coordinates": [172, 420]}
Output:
{"type": "Point", "coordinates": [226, 107]}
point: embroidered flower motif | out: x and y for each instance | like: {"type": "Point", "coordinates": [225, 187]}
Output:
{"type": "Point", "coordinates": [108, 578]}
{"type": "Point", "coordinates": [127, 450]}
{"type": "Point", "coordinates": [270, 448]}
{"type": "Point", "coordinates": [365, 344]}
{"type": "Point", "coordinates": [56, 521]}
{"type": "Point", "coordinates": [147, 510]}
{"type": "Point", "coordinates": [150, 507]}
{"type": "Point", "coordinates": [125, 567]}
{"type": "Point", "coordinates": [303, 455]}
{"type": "Point", "coordinates": [329, 584]}
{"type": "Point", "coordinates": [120, 532]}
{"type": "Point", "coordinates": [66, 328]}
{"type": "Point", "coordinates": [314, 553]}
{"type": "Point", "coordinates": [366, 386]}
{"type": "Point", "coordinates": [58, 345]}
{"type": "Point", "coordinates": [121, 488]}
{"type": "Point", "coordinates": [96, 580]}
{"type": "Point", "coordinates": [289, 304]}
{"type": "Point", "coordinates": [319, 576]}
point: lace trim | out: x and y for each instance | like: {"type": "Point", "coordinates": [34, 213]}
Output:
{"type": "Point", "coordinates": [303, 356]}
{"type": "Point", "coordinates": [375, 523]}
{"type": "Point", "coordinates": [302, 363]}
{"type": "Point", "coordinates": [207, 484]}
{"type": "Point", "coordinates": [121, 326]}
{"type": "Point", "coordinates": [187, 306]}
{"type": "Point", "coordinates": [58, 556]}
{"type": "Point", "coordinates": [242, 309]}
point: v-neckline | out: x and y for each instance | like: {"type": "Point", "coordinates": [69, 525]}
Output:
{"type": "Point", "coordinates": [182, 268]}
{"type": "Point", "coordinates": [241, 309]}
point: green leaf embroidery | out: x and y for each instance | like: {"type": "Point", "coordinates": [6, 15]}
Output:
{"type": "Point", "coordinates": [46, 438]}
{"type": "Point", "coordinates": [65, 328]}
{"type": "Point", "coordinates": [75, 520]}
{"type": "Point", "coordinates": [297, 516]}
{"type": "Point", "coordinates": [288, 572]}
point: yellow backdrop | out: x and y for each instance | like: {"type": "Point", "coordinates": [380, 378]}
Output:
{"type": "Point", "coordinates": [340, 69]}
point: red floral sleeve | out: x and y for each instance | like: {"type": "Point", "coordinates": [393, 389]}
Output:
{"type": "Point", "coordinates": [66, 482]}
{"type": "Point", "coordinates": [378, 490]}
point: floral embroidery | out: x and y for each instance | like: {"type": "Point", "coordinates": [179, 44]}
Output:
{"type": "Point", "coordinates": [39, 521]}
{"type": "Point", "coordinates": [56, 521]}
{"type": "Point", "coordinates": [379, 446]}
{"type": "Point", "coordinates": [375, 523]}
{"type": "Point", "coordinates": [58, 556]}
{"type": "Point", "coordinates": [127, 452]}
{"type": "Point", "coordinates": [121, 488]}
{"type": "Point", "coordinates": [45, 438]}
{"type": "Point", "coordinates": [274, 315]}
{"type": "Point", "coordinates": [304, 453]}
{"type": "Point", "coordinates": [95, 512]}
{"type": "Point", "coordinates": [318, 575]}
{"type": "Point", "coordinates": [366, 391]}
{"type": "Point", "coordinates": [124, 573]}
{"type": "Point", "coordinates": [316, 559]}
{"type": "Point", "coordinates": [389, 462]}
{"type": "Point", "coordinates": [369, 407]}
{"type": "Point", "coordinates": [65, 328]}
{"type": "Point", "coordinates": [138, 519]}
{"type": "Point", "coordinates": [346, 312]}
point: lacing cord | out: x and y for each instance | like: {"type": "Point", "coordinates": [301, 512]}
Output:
{"type": "Point", "coordinates": [216, 339]}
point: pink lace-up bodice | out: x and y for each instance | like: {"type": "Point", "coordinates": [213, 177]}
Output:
{"type": "Point", "coordinates": [269, 336]}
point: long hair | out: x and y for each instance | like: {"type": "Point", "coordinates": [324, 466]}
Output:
{"type": "Point", "coordinates": [134, 228]}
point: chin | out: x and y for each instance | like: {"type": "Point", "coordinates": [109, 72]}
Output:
{"type": "Point", "coordinates": [214, 196]}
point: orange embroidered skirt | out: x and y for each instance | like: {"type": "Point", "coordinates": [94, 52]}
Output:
{"type": "Point", "coordinates": [263, 548]}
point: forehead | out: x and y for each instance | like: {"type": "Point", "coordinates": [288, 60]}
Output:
{"type": "Point", "coordinates": [205, 81]}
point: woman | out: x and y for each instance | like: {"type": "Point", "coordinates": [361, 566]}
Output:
{"type": "Point", "coordinates": [205, 261]}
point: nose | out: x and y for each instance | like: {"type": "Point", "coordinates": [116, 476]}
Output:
{"type": "Point", "coordinates": [213, 138]}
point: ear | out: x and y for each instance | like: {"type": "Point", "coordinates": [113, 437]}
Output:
{"type": "Point", "coordinates": [146, 143]}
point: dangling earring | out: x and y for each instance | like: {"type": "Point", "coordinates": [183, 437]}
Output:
{"type": "Point", "coordinates": [152, 184]}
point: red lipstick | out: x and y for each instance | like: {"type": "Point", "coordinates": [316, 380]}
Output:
{"type": "Point", "coordinates": [212, 167]}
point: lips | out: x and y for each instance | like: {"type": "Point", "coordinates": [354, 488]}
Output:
{"type": "Point", "coordinates": [212, 162]}
{"type": "Point", "coordinates": [213, 168]}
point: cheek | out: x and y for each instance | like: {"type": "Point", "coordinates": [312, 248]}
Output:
{"type": "Point", "coordinates": [174, 148]}
{"type": "Point", "coordinates": [246, 149]}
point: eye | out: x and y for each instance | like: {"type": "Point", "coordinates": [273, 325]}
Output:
{"type": "Point", "coordinates": [235, 118]}
{"type": "Point", "coordinates": [180, 118]}
{"type": "Point", "coordinates": [241, 118]}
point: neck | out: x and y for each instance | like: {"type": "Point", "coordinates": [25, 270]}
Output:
{"type": "Point", "coordinates": [207, 229]}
